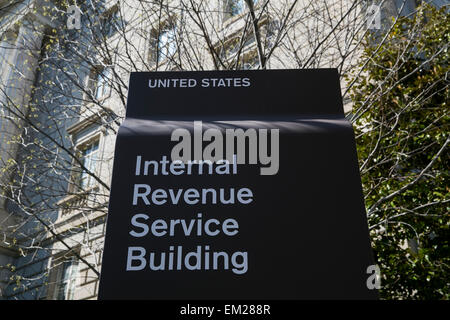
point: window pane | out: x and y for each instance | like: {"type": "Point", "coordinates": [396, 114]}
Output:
{"type": "Point", "coordinates": [90, 162]}
{"type": "Point", "coordinates": [167, 45]}
{"type": "Point", "coordinates": [67, 281]}
{"type": "Point", "coordinates": [103, 83]}
{"type": "Point", "coordinates": [236, 7]}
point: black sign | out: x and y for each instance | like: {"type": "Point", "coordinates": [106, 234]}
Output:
{"type": "Point", "coordinates": [236, 185]}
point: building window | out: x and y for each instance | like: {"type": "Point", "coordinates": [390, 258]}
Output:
{"type": "Point", "coordinates": [86, 167]}
{"type": "Point", "coordinates": [407, 6]}
{"type": "Point", "coordinates": [99, 82]}
{"type": "Point", "coordinates": [89, 160]}
{"type": "Point", "coordinates": [235, 7]}
{"type": "Point", "coordinates": [111, 21]}
{"type": "Point", "coordinates": [67, 279]}
{"type": "Point", "coordinates": [63, 277]}
{"type": "Point", "coordinates": [163, 46]}
{"type": "Point", "coordinates": [103, 87]}
{"type": "Point", "coordinates": [167, 45]}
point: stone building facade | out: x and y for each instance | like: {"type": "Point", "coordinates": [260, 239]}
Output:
{"type": "Point", "coordinates": [63, 97]}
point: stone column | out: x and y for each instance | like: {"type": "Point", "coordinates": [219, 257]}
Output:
{"type": "Point", "coordinates": [20, 57]}
{"type": "Point", "coordinates": [8, 54]}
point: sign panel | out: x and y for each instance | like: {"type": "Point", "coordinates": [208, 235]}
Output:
{"type": "Point", "coordinates": [236, 185]}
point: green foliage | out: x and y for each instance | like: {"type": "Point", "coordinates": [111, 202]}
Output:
{"type": "Point", "coordinates": [401, 118]}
